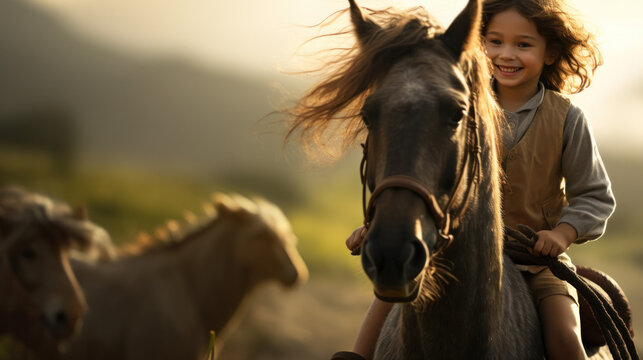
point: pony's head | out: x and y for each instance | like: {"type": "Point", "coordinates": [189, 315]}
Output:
{"type": "Point", "coordinates": [422, 149]}
{"type": "Point", "coordinates": [36, 237]}
{"type": "Point", "coordinates": [422, 96]}
{"type": "Point", "coordinates": [252, 236]}
{"type": "Point", "coordinates": [265, 244]}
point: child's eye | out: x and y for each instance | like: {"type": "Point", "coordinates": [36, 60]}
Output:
{"type": "Point", "coordinates": [524, 45]}
{"type": "Point", "coordinates": [494, 41]}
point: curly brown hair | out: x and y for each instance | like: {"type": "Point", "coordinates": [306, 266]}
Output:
{"type": "Point", "coordinates": [577, 52]}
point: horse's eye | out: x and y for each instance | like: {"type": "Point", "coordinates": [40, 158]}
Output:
{"type": "Point", "coordinates": [28, 254]}
{"type": "Point", "coordinates": [457, 117]}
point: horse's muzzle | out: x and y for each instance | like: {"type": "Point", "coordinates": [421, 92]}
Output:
{"type": "Point", "coordinates": [395, 263]}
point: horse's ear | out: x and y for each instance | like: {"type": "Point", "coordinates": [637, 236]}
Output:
{"type": "Point", "coordinates": [464, 31]}
{"type": "Point", "coordinates": [363, 26]}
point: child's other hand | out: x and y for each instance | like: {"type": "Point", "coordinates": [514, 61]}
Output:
{"type": "Point", "coordinates": [554, 242]}
{"type": "Point", "coordinates": [354, 241]}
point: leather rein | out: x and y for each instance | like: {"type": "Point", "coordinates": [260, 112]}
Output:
{"type": "Point", "coordinates": [443, 217]}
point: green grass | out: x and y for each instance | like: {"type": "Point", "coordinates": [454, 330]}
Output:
{"type": "Point", "coordinates": [125, 201]}
{"type": "Point", "coordinates": [332, 212]}
{"type": "Point", "coordinates": [210, 354]}
{"type": "Point", "coordinates": [122, 200]}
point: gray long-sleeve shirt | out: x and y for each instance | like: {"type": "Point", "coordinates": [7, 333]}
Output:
{"type": "Point", "coordinates": [587, 186]}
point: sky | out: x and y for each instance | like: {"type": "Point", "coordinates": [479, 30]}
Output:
{"type": "Point", "coordinates": [262, 37]}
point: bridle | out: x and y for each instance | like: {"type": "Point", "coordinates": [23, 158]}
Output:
{"type": "Point", "coordinates": [443, 217]}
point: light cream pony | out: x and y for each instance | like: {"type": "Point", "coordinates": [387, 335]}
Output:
{"type": "Point", "coordinates": [41, 304]}
{"type": "Point", "coordinates": [161, 300]}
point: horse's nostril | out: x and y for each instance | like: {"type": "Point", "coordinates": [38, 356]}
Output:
{"type": "Point", "coordinates": [415, 259]}
{"type": "Point", "coordinates": [61, 318]}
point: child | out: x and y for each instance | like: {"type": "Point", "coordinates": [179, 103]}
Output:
{"type": "Point", "coordinates": [555, 179]}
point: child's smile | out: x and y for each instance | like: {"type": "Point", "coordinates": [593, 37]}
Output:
{"type": "Point", "coordinates": [508, 70]}
{"type": "Point", "coordinates": [517, 51]}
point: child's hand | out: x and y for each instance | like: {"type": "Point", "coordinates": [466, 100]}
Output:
{"type": "Point", "coordinates": [354, 241]}
{"type": "Point", "coordinates": [554, 242]}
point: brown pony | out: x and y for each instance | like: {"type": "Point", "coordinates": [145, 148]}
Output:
{"type": "Point", "coordinates": [160, 300]}
{"type": "Point", "coordinates": [41, 304]}
{"type": "Point", "coordinates": [422, 96]}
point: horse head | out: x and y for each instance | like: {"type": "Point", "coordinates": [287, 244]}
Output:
{"type": "Point", "coordinates": [36, 237]}
{"type": "Point", "coordinates": [266, 243]}
{"type": "Point", "coordinates": [421, 149]}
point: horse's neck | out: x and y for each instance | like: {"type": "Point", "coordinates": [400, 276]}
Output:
{"type": "Point", "coordinates": [477, 250]}
{"type": "Point", "coordinates": [476, 258]}
{"type": "Point", "coordinates": [471, 304]}
{"type": "Point", "coordinates": [215, 278]}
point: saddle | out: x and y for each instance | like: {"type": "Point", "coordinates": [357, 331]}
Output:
{"type": "Point", "coordinates": [609, 289]}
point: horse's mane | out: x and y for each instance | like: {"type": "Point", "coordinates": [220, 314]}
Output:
{"type": "Point", "coordinates": [222, 208]}
{"type": "Point", "coordinates": [22, 209]}
{"type": "Point", "coordinates": [332, 106]}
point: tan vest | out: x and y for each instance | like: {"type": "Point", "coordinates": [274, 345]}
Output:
{"type": "Point", "coordinates": [533, 190]}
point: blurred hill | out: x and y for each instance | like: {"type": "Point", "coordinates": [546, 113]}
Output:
{"type": "Point", "coordinates": [171, 114]}
{"type": "Point", "coordinates": [167, 113]}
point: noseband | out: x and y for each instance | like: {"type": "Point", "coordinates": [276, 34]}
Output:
{"type": "Point", "coordinates": [442, 216]}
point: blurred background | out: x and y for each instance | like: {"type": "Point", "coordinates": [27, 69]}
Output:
{"type": "Point", "coordinates": [142, 109]}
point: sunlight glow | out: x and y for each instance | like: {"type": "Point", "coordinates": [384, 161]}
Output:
{"type": "Point", "coordinates": [260, 37]}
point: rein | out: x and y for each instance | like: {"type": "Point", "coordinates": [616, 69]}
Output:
{"type": "Point", "coordinates": [443, 217]}
{"type": "Point", "coordinates": [617, 336]}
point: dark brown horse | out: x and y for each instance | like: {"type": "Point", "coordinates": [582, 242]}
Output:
{"type": "Point", "coordinates": [422, 96]}
{"type": "Point", "coordinates": [41, 303]}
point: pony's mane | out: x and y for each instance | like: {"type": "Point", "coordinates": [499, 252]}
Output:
{"type": "Point", "coordinates": [332, 106]}
{"type": "Point", "coordinates": [222, 207]}
{"type": "Point", "coordinates": [20, 208]}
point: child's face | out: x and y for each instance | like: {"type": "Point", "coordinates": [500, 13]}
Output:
{"type": "Point", "coordinates": [516, 49]}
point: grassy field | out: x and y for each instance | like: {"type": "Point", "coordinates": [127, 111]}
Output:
{"type": "Point", "coordinates": [323, 316]}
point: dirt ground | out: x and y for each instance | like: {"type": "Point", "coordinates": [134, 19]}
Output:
{"type": "Point", "coordinates": [310, 322]}
{"type": "Point", "coordinates": [323, 316]}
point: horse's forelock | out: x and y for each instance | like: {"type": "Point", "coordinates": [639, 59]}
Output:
{"type": "Point", "coordinates": [258, 210]}
{"type": "Point", "coordinates": [274, 218]}
{"type": "Point", "coordinates": [59, 225]}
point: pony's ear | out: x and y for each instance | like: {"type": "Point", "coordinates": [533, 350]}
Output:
{"type": "Point", "coordinates": [363, 26]}
{"type": "Point", "coordinates": [464, 31]}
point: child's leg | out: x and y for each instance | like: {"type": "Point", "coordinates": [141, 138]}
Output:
{"type": "Point", "coordinates": [371, 326]}
{"type": "Point", "coordinates": [558, 310]}
{"type": "Point", "coordinates": [561, 328]}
